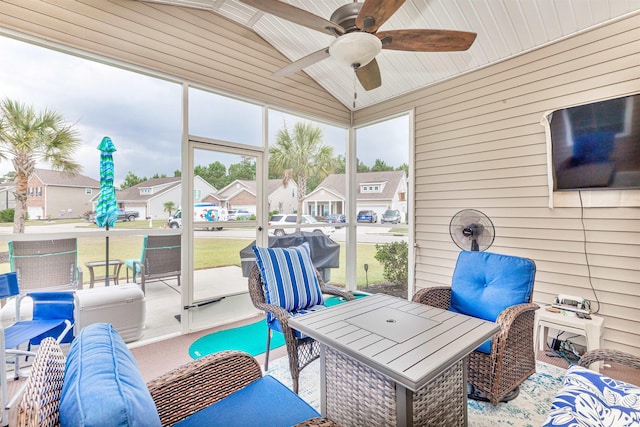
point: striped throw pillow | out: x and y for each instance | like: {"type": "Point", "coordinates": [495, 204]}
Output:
{"type": "Point", "coordinates": [289, 277]}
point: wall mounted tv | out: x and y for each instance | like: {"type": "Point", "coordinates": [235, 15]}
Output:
{"type": "Point", "coordinates": [597, 145]}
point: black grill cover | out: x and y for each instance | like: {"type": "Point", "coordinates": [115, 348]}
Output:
{"type": "Point", "coordinates": [325, 253]}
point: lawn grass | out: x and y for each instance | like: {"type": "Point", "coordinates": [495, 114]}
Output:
{"type": "Point", "coordinates": [208, 252]}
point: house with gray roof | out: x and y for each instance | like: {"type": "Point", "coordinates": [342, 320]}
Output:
{"type": "Point", "coordinates": [241, 194]}
{"type": "Point", "coordinates": [55, 194]}
{"type": "Point", "coordinates": [148, 197]}
{"type": "Point", "coordinates": [377, 191]}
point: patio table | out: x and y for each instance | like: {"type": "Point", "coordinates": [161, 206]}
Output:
{"type": "Point", "coordinates": [116, 263]}
{"type": "Point", "coordinates": [389, 361]}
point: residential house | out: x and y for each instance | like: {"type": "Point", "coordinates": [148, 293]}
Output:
{"type": "Point", "coordinates": [377, 191]}
{"type": "Point", "coordinates": [54, 194]}
{"type": "Point", "coordinates": [477, 138]}
{"type": "Point", "coordinates": [241, 194]}
{"type": "Point", "coordinates": [149, 197]}
{"type": "Point", "coordinates": [7, 196]}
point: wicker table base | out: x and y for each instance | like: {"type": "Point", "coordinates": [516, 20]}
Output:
{"type": "Point", "coordinates": [357, 395]}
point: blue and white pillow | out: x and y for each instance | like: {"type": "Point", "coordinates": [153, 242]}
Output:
{"type": "Point", "coordinates": [289, 277]}
{"type": "Point", "coordinates": [588, 398]}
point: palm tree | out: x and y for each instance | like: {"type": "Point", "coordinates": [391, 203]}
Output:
{"type": "Point", "coordinates": [27, 137]}
{"type": "Point", "coordinates": [168, 207]}
{"type": "Point", "coordinates": [299, 154]}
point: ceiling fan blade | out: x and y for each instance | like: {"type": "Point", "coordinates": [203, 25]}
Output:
{"type": "Point", "coordinates": [369, 75]}
{"type": "Point", "coordinates": [296, 15]}
{"type": "Point", "coordinates": [303, 62]}
{"type": "Point", "coordinates": [426, 40]}
{"type": "Point", "coordinates": [374, 13]}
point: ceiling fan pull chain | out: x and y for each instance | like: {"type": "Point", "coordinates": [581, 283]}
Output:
{"type": "Point", "coordinates": [355, 89]}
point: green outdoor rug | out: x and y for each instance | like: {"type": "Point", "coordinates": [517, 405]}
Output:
{"type": "Point", "coordinates": [250, 338]}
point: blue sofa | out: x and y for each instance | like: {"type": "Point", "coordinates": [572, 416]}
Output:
{"type": "Point", "coordinates": [99, 384]}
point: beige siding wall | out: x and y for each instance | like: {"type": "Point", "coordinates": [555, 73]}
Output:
{"type": "Point", "coordinates": [191, 44]}
{"type": "Point", "coordinates": [479, 144]}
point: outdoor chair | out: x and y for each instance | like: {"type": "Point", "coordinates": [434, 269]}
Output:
{"type": "Point", "coordinates": [284, 283]}
{"type": "Point", "coordinates": [498, 288]}
{"type": "Point", "coordinates": [98, 383]}
{"type": "Point", "coordinates": [52, 317]}
{"type": "Point", "coordinates": [591, 398]}
{"type": "Point", "coordinates": [49, 265]}
{"type": "Point", "coordinates": [160, 259]}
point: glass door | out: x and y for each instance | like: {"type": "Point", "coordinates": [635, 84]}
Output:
{"type": "Point", "coordinates": [224, 205]}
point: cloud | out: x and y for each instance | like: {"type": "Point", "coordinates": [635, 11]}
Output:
{"type": "Point", "coordinates": [143, 117]}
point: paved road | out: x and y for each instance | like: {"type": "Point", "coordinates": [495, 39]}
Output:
{"type": "Point", "coordinates": [366, 234]}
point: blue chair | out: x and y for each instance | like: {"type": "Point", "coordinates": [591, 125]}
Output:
{"type": "Point", "coordinates": [52, 317]}
{"type": "Point", "coordinates": [284, 283]}
{"type": "Point", "coordinates": [498, 288]}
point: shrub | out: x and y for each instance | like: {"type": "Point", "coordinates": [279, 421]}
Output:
{"type": "Point", "coordinates": [7, 215]}
{"type": "Point", "coordinates": [394, 258]}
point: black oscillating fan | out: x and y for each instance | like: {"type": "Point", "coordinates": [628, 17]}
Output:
{"type": "Point", "coordinates": [472, 230]}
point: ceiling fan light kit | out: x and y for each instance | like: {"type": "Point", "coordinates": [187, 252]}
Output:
{"type": "Point", "coordinates": [355, 26]}
{"type": "Point", "coordinates": [355, 49]}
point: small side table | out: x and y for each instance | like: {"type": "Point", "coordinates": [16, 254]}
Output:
{"type": "Point", "coordinates": [116, 263]}
{"type": "Point", "coordinates": [592, 329]}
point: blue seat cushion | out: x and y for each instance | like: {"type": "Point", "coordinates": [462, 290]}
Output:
{"type": "Point", "coordinates": [265, 402]}
{"type": "Point", "coordinates": [274, 323]}
{"type": "Point", "coordinates": [102, 384]}
{"type": "Point", "coordinates": [588, 398]}
{"type": "Point", "coordinates": [485, 283]}
{"type": "Point", "coordinates": [289, 277]}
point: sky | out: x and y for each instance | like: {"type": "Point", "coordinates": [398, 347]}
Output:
{"type": "Point", "coordinates": [138, 111]}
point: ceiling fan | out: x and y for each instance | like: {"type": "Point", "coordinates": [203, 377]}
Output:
{"type": "Point", "coordinates": [358, 41]}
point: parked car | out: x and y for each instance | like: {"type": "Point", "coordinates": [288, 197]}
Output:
{"type": "Point", "coordinates": [291, 219]}
{"type": "Point", "coordinates": [124, 215]}
{"type": "Point", "coordinates": [391, 216]}
{"type": "Point", "coordinates": [239, 215]}
{"type": "Point", "coordinates": [336, 219]}
{"type": "Point", "coordinates": [367, 216]}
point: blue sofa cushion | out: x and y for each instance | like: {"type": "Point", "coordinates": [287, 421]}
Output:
{"type": "Point", "coordinates": [588, 398]}
{"type": "Point", "coordinates": [485, 283]}
{"type": "Point", "coordinates": [102, 383]}
{"type": "Point", "coordinates": [289, 277]}
{"type": "Point", "coordinates": [265, 402]}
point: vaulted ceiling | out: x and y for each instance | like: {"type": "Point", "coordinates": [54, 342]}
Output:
{"type": "Point", "coordinates": [505, 28]}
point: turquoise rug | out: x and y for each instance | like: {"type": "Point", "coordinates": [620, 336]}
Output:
{"type": "Point", "coordinates": [529, 409]}
{"type": "Point", "coordinates": [250, 338]}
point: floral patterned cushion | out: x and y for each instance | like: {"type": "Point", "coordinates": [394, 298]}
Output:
{"type": "Point", "coordinates": [588, 398]}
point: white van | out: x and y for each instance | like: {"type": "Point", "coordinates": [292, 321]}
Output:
{"type": "Point", "coordinates": [201, 212]}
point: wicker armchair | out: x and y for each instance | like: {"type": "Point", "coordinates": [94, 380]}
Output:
{"type": "Point", "coordinates": [496, 376]}
{"type": "Point", "coordinates": [301, 351]}
{"type": "Point", "coordinates": [177, 394]}
{"type": "Point", "coordinates": [609, 355]}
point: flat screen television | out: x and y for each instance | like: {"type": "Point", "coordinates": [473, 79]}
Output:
{"type": "Point", "coordinates": [597, 145]}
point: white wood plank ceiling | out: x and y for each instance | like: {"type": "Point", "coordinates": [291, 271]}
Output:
{"type": "Point", "coordinates": [505, 28]}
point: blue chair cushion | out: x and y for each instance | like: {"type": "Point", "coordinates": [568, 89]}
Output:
{"type": "Point", "coordinates": [289, 277]}
{"type": "Point", "coordinates": [485, 283]}
{"type": "Point", "coordinates": [588, 398]}
{"type": "Point", "coordinates": [102, 384]}
{"type": "Point", "coordinates": [274, 323]}
{"type": "Point", "coordinates": [265, 402]}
